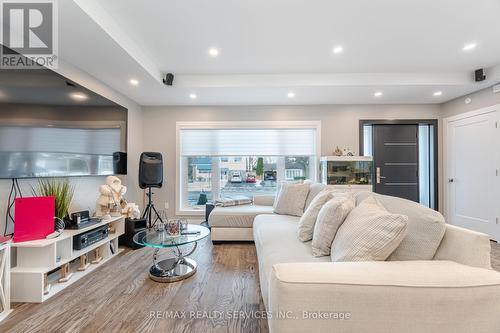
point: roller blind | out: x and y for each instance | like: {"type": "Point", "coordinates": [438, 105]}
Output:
{"type": "Point", "coordinates": [248, 142]}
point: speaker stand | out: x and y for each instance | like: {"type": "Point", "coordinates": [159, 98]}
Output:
{"type": "Point", "coordinates": [150, 209]}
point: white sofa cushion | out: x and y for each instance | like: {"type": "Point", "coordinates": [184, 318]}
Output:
{"type": "Point", "coordinates": [264, 200]}
{"type": "Point", "coordinates": [383, 297]}
{"type": "Point", "coordinates": [276, 242]}
{"type": "Point", "coordinates": [308, 219]}
{"type": "Point", "coordinates": [425, 230]}
{"type": "Point", "coordinates": [369, 233]}
{"type": "Point", "coordinates": [237, 216]}
{"type": "Point", "coordinates": [465, 246]}
{"type": "Point", "coordinates": [291, 199]}
{"type": "Point", "coordinates": [330, 218]}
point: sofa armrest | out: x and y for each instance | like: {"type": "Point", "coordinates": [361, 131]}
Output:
{"type": "Point", "coordinates": [465, 247]}
{"type": "Point", "coordinates": [263, 200]}
{"type": "Point", "coordinates": [398, 296]}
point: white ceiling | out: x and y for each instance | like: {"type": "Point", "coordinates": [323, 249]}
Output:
{"type": "Point", "coordinates": [406, 49]}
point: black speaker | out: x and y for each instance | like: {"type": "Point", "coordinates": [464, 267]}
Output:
{"type": "Point", "coordinates": [150, 170]}
{"type": "Point", "coordinates": [479, 75]}
{"type": "Point", "coordinates": [132, 226]}
{"type": "Point", "coordinates": [119, 163]}
{"type": "Point", "coordinates": [169, 79]}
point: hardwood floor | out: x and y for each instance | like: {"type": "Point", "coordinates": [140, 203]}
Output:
{"type": "Point", "coordinates": [120, 297]}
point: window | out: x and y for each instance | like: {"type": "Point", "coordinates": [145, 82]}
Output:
{"type": "Point", "coordinates": [367, 140]}
{"type": "Point", "coordinates": [258, 175]}
{"type": "Point", "coordinates": [222, 161]}
{"type": "Point", "coordinates": [426, 165]}
{"type": "Point", "coordinates": [199, 179]}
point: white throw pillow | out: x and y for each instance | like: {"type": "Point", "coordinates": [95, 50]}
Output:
{"type": "Point", "coordinates": [330, 218]}
{"type": "Point", "coordinates": [280, 186]}
{"type": "Point", "coordinates": [306, 223]}
{"type": "Point", "coordinates": [369, 233]}
{"type": "Point", "coordinates": [291, 199]}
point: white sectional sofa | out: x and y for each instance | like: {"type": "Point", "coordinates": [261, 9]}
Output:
{"type": "Point", "coordinates": [455, 291]}
{"type": "Point", "coordinates": [235, 223]}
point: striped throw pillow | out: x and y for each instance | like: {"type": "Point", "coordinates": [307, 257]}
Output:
{"type": "Point", "coordinates": [330, 218]}
{"type": "Point", "coordinates": [369, 233]}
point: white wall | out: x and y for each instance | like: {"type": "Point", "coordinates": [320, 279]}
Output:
{"type": "Point", "coordinates": [479, 100]}
{"type": "Point", "coordinates": [340, 127]}
{"type": "Point", "coordinates": [86, 188]}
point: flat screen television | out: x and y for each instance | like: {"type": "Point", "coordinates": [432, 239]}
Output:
{"type": "Point", "coordinates": [50, 126]}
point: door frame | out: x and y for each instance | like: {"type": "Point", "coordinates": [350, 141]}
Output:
{"type": "Point", "coordinates": [446, 166]}
{"type": "Point", "coordinates": [433, 122]}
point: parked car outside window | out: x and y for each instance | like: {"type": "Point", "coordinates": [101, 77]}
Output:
{"type": "Point", "coordinates": [236, 177]}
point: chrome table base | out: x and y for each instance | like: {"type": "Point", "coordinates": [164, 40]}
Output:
{"type": "Point", "coordinates": [173, 269]}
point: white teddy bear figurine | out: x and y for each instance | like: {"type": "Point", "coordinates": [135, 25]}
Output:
{"type": "Point", "coordinates": [111, 200]}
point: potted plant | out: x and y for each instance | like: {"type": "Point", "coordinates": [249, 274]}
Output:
{"type": "Point", "coordinates": [61, 189]}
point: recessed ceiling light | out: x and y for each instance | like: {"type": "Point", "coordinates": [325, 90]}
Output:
{"type": "Point", "coordinates": [291, 94]}
{"type": "Point", "coordinates": [213, 52]}
{"type": "Point", "coordinates": [470, 46]}
{"type": "Point", "coordinates": [78, 96]}
{"type": "Point", "coordinates": [378, 94]}
{"type": "Point", "coordinates": [133, 82]}
{"type": "Point", "coordinates": [338, 49]}
{"type": "Point", "coordinates": [193, 96]}
{"type": "Point", "coordinates": [438, 93]}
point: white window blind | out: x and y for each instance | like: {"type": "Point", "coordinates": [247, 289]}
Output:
{"type": "Point", "coordinates": [245, 142]}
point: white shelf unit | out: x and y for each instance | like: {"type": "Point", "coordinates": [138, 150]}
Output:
{"type": "Point", "coordinates": [36, 259]}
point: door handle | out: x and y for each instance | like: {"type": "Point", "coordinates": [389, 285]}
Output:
{"type": "Point", "coordinates": [451, 180]}
{"type": "Point", "coordinates": [379, 177]}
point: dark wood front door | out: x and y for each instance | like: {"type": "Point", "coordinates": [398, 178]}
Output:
{"type": "Point", "coordinates": [395, 152]}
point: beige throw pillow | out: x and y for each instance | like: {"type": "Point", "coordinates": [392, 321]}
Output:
{"type": "Point", "coordinates": [306, 223]}
{"type": "Point", "coordinates": [330, 218]}
{"type": "Point", "coordinates": [291, 199]}
{"type": "Point", "coordinates": [280, 186]}
{"type": "Point", "coordinates": [426, 227]}
{"type": "Point", "coordinates": [369, 233]}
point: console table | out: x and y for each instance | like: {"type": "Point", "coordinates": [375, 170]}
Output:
{"type": "Point", "coordinates": [46, 266]}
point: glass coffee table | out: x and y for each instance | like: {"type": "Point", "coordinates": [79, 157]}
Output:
{"type": "Point", "coordinates": [179, 267]}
